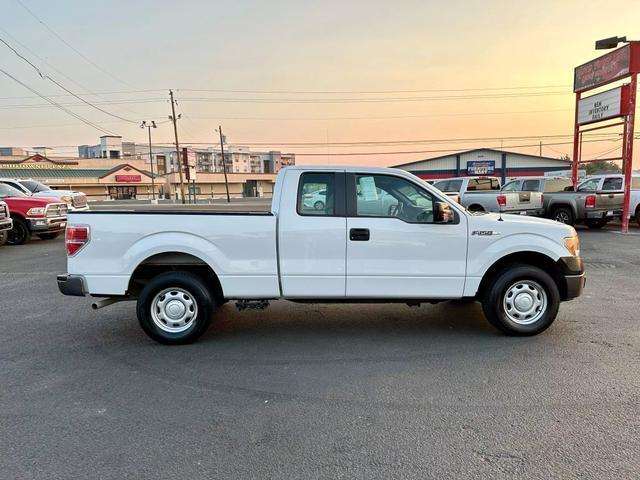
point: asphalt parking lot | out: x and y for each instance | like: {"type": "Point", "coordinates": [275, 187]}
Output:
{"type": "Point", "coordinates": [299, 391]}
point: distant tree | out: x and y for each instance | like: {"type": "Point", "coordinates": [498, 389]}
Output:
{"type": "Point", "coordinates": [594, 168]}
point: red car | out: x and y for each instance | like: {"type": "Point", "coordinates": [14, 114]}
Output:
{"type": "Point", "coordinates": [41, 216]}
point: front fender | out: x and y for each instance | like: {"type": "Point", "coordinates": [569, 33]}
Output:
{"type": "Point", "coordinates": [483, 255]}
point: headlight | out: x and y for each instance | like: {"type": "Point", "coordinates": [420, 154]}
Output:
{"type": "Point", "coordinates": [67, 198]}
{"type": "Point", "coordinates": [573, 245]}
{"type": "Point", "coordinates": [35, 211]}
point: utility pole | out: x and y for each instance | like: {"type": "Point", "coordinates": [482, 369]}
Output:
{"type": "Point", "coordinates": [174, 119]}
{"type": "Point", "coordinates": [149, 126]}
{"type": "Point", "coordinates": [224, 164]}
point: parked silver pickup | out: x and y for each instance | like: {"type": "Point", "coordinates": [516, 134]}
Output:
{"type": "Point", "coordinates": [483, 194]}
{"type": "Point", "coordinates": [596, 201]}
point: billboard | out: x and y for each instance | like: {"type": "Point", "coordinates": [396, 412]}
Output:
{"type": "Point", "coordinates": [189, 163]}
{"type": "Point", "coordinates": [610, 104]}
{"type": "Point", "coordinates": [481, 167]}
{"type": "Point", "coordinates": [607, 68]}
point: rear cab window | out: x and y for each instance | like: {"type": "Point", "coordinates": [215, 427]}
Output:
{"type": "Point", "coordinates": [316, 194]}
{"type": "Point", "coordinates": [554, 185]}
{"type": "Point", "coordinates": [531, 185]}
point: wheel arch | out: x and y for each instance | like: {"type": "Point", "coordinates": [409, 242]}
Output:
{"type": "Point", "coordinates": [174, 261]}
{"type": "Point", "coordinates": [531, 258]}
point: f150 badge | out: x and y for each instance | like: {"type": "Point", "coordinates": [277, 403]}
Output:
{"type": "Point", "coordinates": [485, 233]}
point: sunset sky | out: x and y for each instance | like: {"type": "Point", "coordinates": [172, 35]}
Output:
{"type": "Point", "coordinates": [396, 68]}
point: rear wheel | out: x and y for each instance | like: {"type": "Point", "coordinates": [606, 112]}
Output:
{"type": "Point", "coordinates": [319, 205]}
{"type": "Point", "coordinates": [20, 233]}
{"type": "Point", "coordinates": [521, 300]}
{"type": "Point", "coordinates": [175, 308]}
{"type": "Point", "coordinates": [563, 215]}
{"type": "Point", "coordinates": [48, 236]}
{"type": "Point", "coordinates": [596, 224]}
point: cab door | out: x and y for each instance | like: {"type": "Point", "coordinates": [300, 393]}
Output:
{"type": "Point", "coordinates": [395, 246]}
{"type": "Point", "coordinates": [312, 235]}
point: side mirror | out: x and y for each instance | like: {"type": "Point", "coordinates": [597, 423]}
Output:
{"type": "Point", "coordinates": [442, 213]}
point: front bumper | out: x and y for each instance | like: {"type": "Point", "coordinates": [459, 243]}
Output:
{"type": "Point", "coordinates": [6, 224]}
{"type": "Point", "coordinates": [84, 208]}
{"type": "Point", "coordinates": [47, 224]}
{"type": "Point", "coordinates": [574, 276]}
{"type": "Point", "coordinates": [72, 285]}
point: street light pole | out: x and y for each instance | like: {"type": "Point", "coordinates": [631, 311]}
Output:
{"type": "Point", "coordinates": [149, 126]}
{"type": "Point", "coordinates": [224, 164]}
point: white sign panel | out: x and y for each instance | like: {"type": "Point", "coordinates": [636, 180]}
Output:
{"type": "Point", "coordinates": [600, 107]}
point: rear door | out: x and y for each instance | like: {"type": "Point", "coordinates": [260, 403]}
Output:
{"type": "Point", "coordinates": [394, 248]}
{"type": "Point", "coordinates": [611, 194]}
{"type": "Point", "coordinates": [312, 235]}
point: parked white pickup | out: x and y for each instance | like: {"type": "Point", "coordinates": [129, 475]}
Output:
{"type": "Point", "coordinates": [381, 235]}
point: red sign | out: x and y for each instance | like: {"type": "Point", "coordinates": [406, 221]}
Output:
{"type": "Point", "coordinates": [607, 68]}
{"type": "Point", "coordinates": [128, 178]}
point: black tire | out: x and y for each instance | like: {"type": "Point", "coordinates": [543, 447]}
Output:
{"type": "Point", "coordinates": [563, 215]}
{"type": "Point", "coordinates": [20, 233]}
{"type": "Point", "coordinates": [48, 236]}
{"type": "Point", "coordinates": [596, 224]}
{"type": "Point", "coordinates": [476, 208]}
{"type": "Point", "coordinates": [3, 238]}
{"type": "Point", "coordinates": [495, 300]}
{"type": "Point", "coordinates": [319, 205]}
{"type": "Point", "coordinates": [638, 215]}
{"type": "Point", "coordinates": [195, 288]}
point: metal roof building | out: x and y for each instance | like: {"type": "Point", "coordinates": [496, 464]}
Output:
{"type": "Point", "coordinates": [486, 161]}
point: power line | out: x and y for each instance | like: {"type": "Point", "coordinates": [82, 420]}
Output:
{"type": "Point", "coordinates": [371, 92]}
{"type": "Point", "coordinates": [53, 102]}
{"type": "Point", "coordinates": [79, 53]}
{"type": "Point", "coordinates": [371, 99]}
{"type": "Point", "coordinates": [47, 77]}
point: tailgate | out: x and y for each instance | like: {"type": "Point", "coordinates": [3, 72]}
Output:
{"type": "Point", "coordinates": [523, 201]}
{"type": "Point", "coordinates": [609, 200]}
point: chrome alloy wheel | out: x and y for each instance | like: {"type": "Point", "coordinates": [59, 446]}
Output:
{"type": "Point", "coordinates": [525, 302]}
{"type": "Point", "coordinates": [562, 217]}
{"type": "Point", "coordinates": [174, 310]}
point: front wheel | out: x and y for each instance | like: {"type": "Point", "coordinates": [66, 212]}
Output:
{"type": "Point", "coordinates": [3, 238]}
{"type": "Point", "coordinates": [20, 233]}
{"type": "Point", "coordinates": [175, 308]}
{"type": "Point", "coordinates": [521, 300]}
{"type": "Point", "coordinates": [319, 205]}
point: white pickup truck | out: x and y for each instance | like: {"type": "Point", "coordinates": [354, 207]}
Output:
{"type": "Point", "coordinates": [483, 194]}
{"type": "Point", "coordinates": [180, 265]}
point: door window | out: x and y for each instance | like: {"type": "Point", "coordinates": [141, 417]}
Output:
{"type": "Point", "coordinates": [316, 194]}
{"type": "Point", "coordinates": [476, 184]}
{"type": "Point", "coordinates": [557, 185]}
{"type": "Point", "coordinates": [589, 185]}
{"type": "Point", "coordinates": [392, 197]}
{"type": "Point", "coordinates": [612, 183]}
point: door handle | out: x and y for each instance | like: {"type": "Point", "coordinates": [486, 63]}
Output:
{"type": "Point", "coordinates": [359, 234]}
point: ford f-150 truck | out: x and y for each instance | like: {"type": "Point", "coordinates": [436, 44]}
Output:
{"type": "Point", "coordinates": [45, 217]}
{"type": "Point", "coordinates": [596, 201]}
{"type": "Point", "coordinates": [180, 265]}
{"type": "Point", "coordinates": [483, 194]}
{"type": "Point", "coordinates": [6, 224]}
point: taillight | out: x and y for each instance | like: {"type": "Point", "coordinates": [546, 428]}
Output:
{"type": "Point", "coordinates": [502, 200]}
{"type": "Point", "coordinates": [76, 238]}
{"type": "Point", "coordinates": [590, 201]}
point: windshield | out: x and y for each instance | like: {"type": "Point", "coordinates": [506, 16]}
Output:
{"type": "Point", "coordinates": [34, 186]}
{"type": "Point", "coordinates": [8, 191]}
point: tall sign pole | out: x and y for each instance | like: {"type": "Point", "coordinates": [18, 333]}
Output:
{"type": "Point", "coordinates": [628, 152]}
{"type": "Point", "coordinates": [149, 126]}
{"type": "Point", "coordinates": [175, 132]}
{"type": "Point", "coordinates": [224, 164]}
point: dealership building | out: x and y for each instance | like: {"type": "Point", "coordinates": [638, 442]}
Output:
{"type": "Point", "coordinates": [487, 161]}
